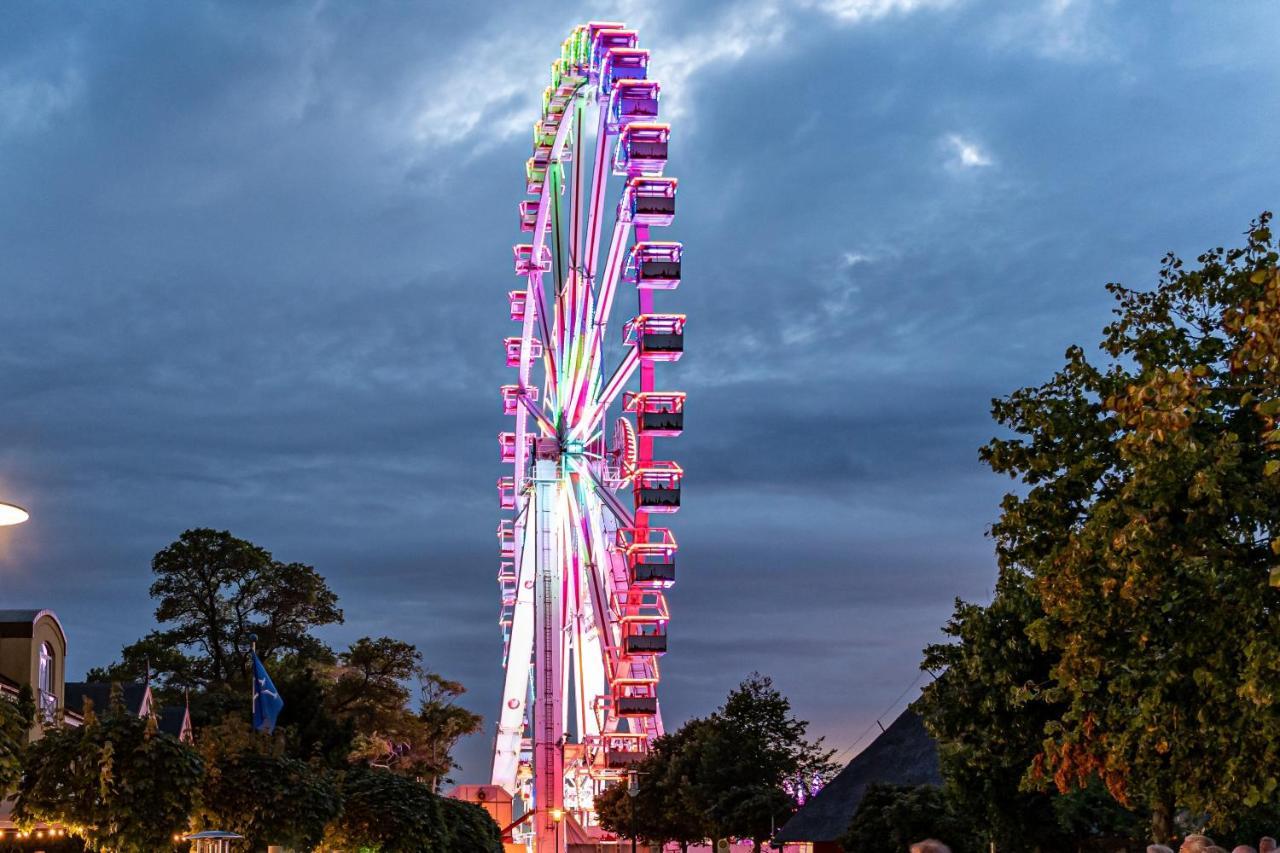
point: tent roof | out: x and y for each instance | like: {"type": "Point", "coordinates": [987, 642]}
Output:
{"type": "Point", "coordinates": [904, 754]}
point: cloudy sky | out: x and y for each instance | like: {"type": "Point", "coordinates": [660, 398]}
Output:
{"type": "Point", "coordinates": [254, 262]}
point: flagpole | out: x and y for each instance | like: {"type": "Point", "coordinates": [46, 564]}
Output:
{"type": "Point", "coordinates": [253, 685]}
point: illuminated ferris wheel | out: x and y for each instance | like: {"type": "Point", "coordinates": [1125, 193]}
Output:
{"type": "Point", "coordinates": [582, 569]}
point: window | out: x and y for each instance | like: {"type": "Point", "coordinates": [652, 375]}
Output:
{"type": "Point", "coordinates": [46, 695]}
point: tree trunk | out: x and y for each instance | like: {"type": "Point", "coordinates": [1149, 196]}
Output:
{"type": "Point", "coordinates": [1162, 821]}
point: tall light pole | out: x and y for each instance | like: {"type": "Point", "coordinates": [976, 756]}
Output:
{"type": "Point", "coordinates": [557, 815]}
{"type": "Point", "coordinates": [11, 514]}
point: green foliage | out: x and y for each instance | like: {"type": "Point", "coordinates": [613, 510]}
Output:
{"type": "Point", "coordinates": [470, 827]}
{"type": "Point", "coordinates": [368, 690]}
{"type": "Point", "coordinates": [443, 724]}
{"type": "Point", "coordinates": [725, 775]}
{"type": "Point", "coordinates": [312, 731]}
{"type": "Point", "coordinates": [1138, 552]}
{"type": "Point", "coordinates": [253, 789]}
{"type": "Point", "coordinates": [117, 783]}
{"type": "Point", "coordinates": [16, 719]}
{"type": "Point", "coordinates": [988, 714]}
{"type": "Point", "coordinates": [386, 812]}
{"type": "Point", "coordinates": [752, 750]}
{"type": "Point", "coordinates": [213, 591]}
{"type": "Point", "coordinates": [891, 818]}
{"type": "Point", "coordinates": [661, 809]}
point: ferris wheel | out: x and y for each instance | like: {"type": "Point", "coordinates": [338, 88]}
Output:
{"type": "Point", "coordinates": [582, 569]}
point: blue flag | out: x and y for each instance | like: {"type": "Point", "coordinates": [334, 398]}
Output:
{"type": "Point", "coordinates": [266, 700]}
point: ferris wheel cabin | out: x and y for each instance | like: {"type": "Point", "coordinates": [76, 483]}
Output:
{"type": "Point", "coordinates": [648, 201]}
{"type": "Point", "coordinates": [607, 37]}
{"type": "Point", "coordinates": [658, 413]}
{"type": "Point", "coordinates": [511, 397]}
{"type": "Point", "coordinates": [512, 348]}
{"type": "Point", "coordinates": [659, 337]}
{"type": "Point", "coordinates": [650, 553]}
{"type": "Point", "coordinates": [656, 486]}
{"type": "Point", "coordinates": [642, 149]}
{"type": "Point", "coordinates": [654, 266]}
{"type": "Point", "coordinates": [523, 254]}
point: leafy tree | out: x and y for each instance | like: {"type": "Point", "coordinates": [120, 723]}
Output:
{"type": "Point", "coordinates": [621, 814]}
{"type": "Point", "coordinates": [731, 774]}
{"type": "Point", "coordinates": [385, 812]}
{"type": "Point", "coordinates": [1150, 519]}
{"type": "Point", "coordinates": [470, 827]}
{"type": "Point", "coordinates": [661, 809]}
{"type": "Point", "coordinates": [753, 751]}
{"type": "Point", "coordinates": [370, 691]}
{"type": "Point", "coordinates": [891, 818]}
{"type": "Point", "coordinates": [369, 684]}
{"type": "Point", "coordinates": [987, 711]}
{"type": "Point", "coordinates": [311, 730]}
{"type": "Point", "coordinates": [214, 591]}
{"type": "Point", "coordinates": [444, 723]}
{"type": "Point", "coordinates": [251, 787]}
{"type": "Point", "coordinates": [16, 719]}
{"type": "Point", "coordinates": [116, 782]}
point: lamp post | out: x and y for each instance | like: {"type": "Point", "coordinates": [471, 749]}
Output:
{"type": "Point", "coordinates": [557, 815]}
{"type": "Point", "coordinates": [11, 514]}
{"type": "Point", "coordinates": [633, 791]}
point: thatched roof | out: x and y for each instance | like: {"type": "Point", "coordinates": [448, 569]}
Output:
{"type": "Point", "coordinates": [903, 755]}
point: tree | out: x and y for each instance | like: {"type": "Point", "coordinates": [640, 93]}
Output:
{"type": "Point", "coordinates": [891, 818]}
{"type": "Point", "coordinates": [369, 684]}
{"type": "Point", "coordinates": [214, 591]}
{"type": "Point", "coordinates": [661, 809]}
{"type": "Point", "coordinates": [252, 788]}
{"type": "Point", "coordinates": [312, 732]}
{"type": "Point", "coordinates": [987, 712]}
{"type": "Point", "coordinates": [733, 773]}
{"type": "Point", "coordinates": [1150, 518]}
{"type": "Point", "coordinates": [385, 812]}
{"type": "Point", "coordinates": [444, 723]}
{"type": "Point", "coordinates": [754, 752]}
{"type": "Point", "coordinates": [470, 827]}
{"type": "Point", "coordinates": [16, 719]}
{"type": "Point", "coordinates": [370, 691]}
{"type": "Point", "coordinates": [116, 782]}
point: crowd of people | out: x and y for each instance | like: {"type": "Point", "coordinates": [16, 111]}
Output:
{"type": "Point", "coordinates": [1190, 844]}
{"type": "Point", "coordinates": [1205, 844]}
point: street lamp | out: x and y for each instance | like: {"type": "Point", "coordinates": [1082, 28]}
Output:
{"type": "Point", "coordinates": [557, 815]}
{"type": "Point", "coordinates": [11, 514]}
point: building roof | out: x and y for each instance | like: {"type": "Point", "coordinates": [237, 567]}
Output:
{"type": "Point", "coordinates": [99, 692]}
{"type": "Point", "coordinates": [21, 623]}
{"type": "Point", "coordinates": [904, 754]}
{"type": "Point", "coordinates": [172, 719]}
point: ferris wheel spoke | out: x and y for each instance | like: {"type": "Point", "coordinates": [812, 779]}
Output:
{"type": "Point", "coordinates": [610, 500]}
{"type": "Point", "coordinates": [621, 376]}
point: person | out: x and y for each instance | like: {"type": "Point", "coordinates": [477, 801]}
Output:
{"type": "Point", "coordinates": [1243, 848]}
{"type": "Point", "coordinates": [1196, 844]}
{"type": "Point", "coordinates": [1159, 848]}
{"type": "Point", "coordinates": [1267, 845]}
{"type": "Point", "coordinates": [930, 845]}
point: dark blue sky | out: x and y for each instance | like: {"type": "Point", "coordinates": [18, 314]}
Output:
{"type": "Point", "coordinates": [254, 262]}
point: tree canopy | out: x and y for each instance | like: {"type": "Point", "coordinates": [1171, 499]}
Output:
{"type": "Point", "coordinates": [214, 592]}
{"type": "Point", "coordinates": [735, 773]}
{"type": "Point", "coordinates": [116, 782]}
{"type": "Point", "coordinates": [1133, 639]}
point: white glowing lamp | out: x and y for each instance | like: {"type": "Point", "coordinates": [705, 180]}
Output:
{"type": "Point", "coordinates": [12, 514]}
